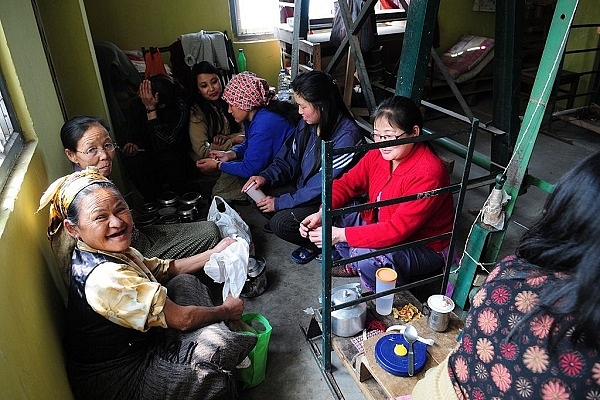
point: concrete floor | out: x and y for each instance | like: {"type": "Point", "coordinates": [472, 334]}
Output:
{"type": "Point", "coordinates": [292, 372]}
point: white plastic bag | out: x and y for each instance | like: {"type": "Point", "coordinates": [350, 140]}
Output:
{"type": "Point", "coordinates": [228, 220]}
{"type": "Point", "coordinates": [230, 267]}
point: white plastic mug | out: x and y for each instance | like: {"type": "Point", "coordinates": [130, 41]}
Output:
{"type": "Point", "coordinates": [255, 194]}
{"type": "Point", "coordinates": [385, 279]}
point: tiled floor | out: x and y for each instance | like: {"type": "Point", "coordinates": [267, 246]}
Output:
{"type": "Point", "coordinates": [292, 372]}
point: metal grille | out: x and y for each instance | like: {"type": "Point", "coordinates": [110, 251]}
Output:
{"type": "Point", "coordinates": [11, 140]}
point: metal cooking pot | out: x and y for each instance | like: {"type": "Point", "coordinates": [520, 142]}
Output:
{"type": "Point", "coordinates": [150, 208]}
{"type": "Point", "coordinates": [187, 213]}
{"type": "Point", "coordinates": [193, 198]}
{"type": "Point", "coordinates": [168, 219]}
{"type": "Point", "coordinates": [439, 308]}
{"type": "Point", "coordinates": [256, 282]}
{"type": "Point", "coordinates": [351, 320]}
{"type": "Point", "coordinates": [168, 199]}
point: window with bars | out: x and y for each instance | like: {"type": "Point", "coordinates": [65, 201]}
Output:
{"type": "Point", "coordinates": [250, 20]}
{"type": "Point", "coordinates": [11, 138]}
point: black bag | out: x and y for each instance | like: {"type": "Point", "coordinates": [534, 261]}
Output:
{"type": "Point", "coordinates": [367, 35]}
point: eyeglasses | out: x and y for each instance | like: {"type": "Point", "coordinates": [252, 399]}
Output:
{"type": "Point", "coordinates": [94, 151]}
{"type": "Point", "coordinates": [376, 136]}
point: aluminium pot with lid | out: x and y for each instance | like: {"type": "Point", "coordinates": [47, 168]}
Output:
{"type": "Point", "coordinates": [256, 282]}
{"type": "Point", "coordinates": [168, 219]}
{"type": "Point", "coordinates": [439, 308]}
{"type": "Point", "coordinates": [350, 320]}
{"type": "Point", "coordinates": [187, 213]}
{"type": "Point", "coordinates": [150, 208]}
{"type": "Point", "coordinates": [167, 211]}
{"type": "Point", "coordinates": [193, 198]}
{"type": "Point", "coordinates": [168, 199]}
{"type": "Point", "coordinates": [145, 219]}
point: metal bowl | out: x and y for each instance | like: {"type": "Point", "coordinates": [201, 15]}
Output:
{"type": "Point", "coordinates": [146, 219]}
{"type": "Point", "coordinates": [167, 211]}
{"type": "Point", "coordinates": [150, 208]}
{"type": "Point", "coordinates": [256, 283]}
{"type": "Point", "coordinates": [187, 213]}
{"type": "Point", "coordinates": [168, 199]}
{"type": "Point", "coordinates": [168, 219]}
{"type": "Point", "coordinates": [193, 198]}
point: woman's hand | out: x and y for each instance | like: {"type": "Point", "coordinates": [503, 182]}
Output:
{"type": "Point", "coordinates": [149, 99]}
{"type": "Point", "coordinates": [219, 140]}
{"type": "Point", "coordinates": [310, 223]}
{"type": "Point", "coordinates": [207, 164]}
{"type": "Point", "coordinates": [237, 139]}
{"type": "Point", "coordinates": [267, 204]}
{"type": "Point", "coordinates": [234, 308]}
{"type": "Point", "coordinates": [223, 244]}
{"type": "Point", "coordinates": [130, 149]}
{"type": "Point", "coordinates": [337, 235]}
{"type": "Point", "coordinates": [222, 155]}
{"type": "Point", "coordinates": [257, 180]}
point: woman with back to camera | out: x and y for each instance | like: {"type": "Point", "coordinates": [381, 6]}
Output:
{"type": "Point", "coordinates": [87, 143]}
{"type": "Point", "coordinates": [383, 174]}
{"type": "Point", "coordinates": [533, 329]}
{"type": "Point", "coordinates": [138, 328]}
{"type": "Point", "coordinates": [157, 144]}
{"type": "Point", "coordinates": [267, 122]}
{"type": "Point", "coordinates": [292, 181]}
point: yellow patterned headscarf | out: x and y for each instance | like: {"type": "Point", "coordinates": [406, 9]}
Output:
{"type": "Point", "coordinates": [62, 192]}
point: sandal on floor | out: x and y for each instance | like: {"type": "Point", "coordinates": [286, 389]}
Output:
{"type": "Point", "coordinates": [335, 255]}
{"type": "Point", "coordinates": [343, 271]}
{"type": "Point", "coordinates": [302, 255]}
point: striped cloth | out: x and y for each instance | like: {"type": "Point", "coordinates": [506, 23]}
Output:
{"type": "Point", "coordinates": [175, 241]}
{"type": "Point", "coordinates": [195, 364]}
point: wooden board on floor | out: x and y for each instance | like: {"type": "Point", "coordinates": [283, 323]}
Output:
{"type": "Point", "coordinates": [384, 385]}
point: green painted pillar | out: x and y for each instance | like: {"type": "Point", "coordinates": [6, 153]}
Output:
{"type": "Point", "coordinates": [508, 49]}
{"type": "Point", "coordinates": [416, 48]}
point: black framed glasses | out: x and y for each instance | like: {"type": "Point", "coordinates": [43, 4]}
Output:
{"type": "Point", "coordinates": [376, 136]}
{"type": "Point", "coordinates": [94, 151]}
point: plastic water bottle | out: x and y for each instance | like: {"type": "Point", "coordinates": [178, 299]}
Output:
{"type": "Point", "coordinates": [283, 83]}
{"type": "Point", "coordinates": [241, 60]}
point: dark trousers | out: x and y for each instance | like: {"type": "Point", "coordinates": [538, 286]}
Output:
{"type": "Point", "coordinates": [286, 223]}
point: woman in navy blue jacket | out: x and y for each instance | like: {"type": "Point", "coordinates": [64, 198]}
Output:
{"type": "Point", "coordinates": [292, 181]}
{"type": "Point", "coordinates": [267, 124]}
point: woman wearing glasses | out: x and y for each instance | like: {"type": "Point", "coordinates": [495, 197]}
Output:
{"type": "Point", "coordinates": [388, 173]}
{"type": "Point", "coordinates": [87, 143]}
{"type": "Point", "coordinates": [292, 181]}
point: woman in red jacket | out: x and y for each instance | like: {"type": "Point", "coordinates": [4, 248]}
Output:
{"type": "Point", "coordinates": [388, 173]}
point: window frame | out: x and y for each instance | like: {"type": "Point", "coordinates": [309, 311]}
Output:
{"type": "Point", "coordinates": [321, 22]}
{"type": "Point", "coordinates": [234, 12]}
{"type": "Point", "coordinates": [14, 141]}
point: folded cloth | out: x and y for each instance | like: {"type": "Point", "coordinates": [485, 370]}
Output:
{"type": "Point", "coordinates": [230, 267]}
{"type": "Point", "coordinates": [205, 46]}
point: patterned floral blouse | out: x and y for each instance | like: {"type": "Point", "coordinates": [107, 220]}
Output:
{"type": "Point", "coordinates": [486, 366]}
{"type": "Point", "coordinates": [129, 294]}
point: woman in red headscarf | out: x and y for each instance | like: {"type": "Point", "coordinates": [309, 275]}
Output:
{"type": "Point", "coordinates": [267, 122]}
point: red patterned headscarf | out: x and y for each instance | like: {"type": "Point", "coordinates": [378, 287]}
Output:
{"type": "Point", "coordinates": [247, 91]}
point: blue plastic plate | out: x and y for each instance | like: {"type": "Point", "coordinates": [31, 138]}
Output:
{"type": "Point", "coordinates": [393, 363]}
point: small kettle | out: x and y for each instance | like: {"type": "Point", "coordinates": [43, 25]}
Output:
{"type": "Point", "coordinates": [351, 320]}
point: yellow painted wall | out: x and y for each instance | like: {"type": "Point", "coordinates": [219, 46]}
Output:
{"type": "Point", "coordinates": [31, 307]}
{"type": "Point", "coordinates": [67, 32]}
{"type": "Point", "coordinates": [132, 25]}
{"type": "Point", "coordinates": [588, 12]}
{"type": "Point", "coordinates": [457, 18]}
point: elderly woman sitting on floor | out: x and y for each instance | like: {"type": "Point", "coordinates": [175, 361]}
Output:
{"type": "Point", "coordinates": [138, 328]}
